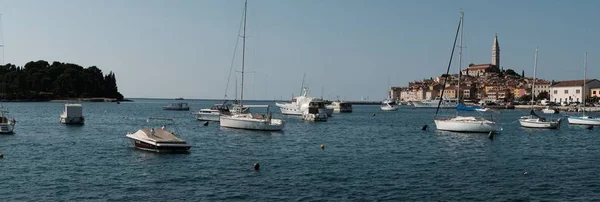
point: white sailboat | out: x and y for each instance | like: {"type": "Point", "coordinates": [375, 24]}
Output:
{"type": "Point", "coordinates": [583, 119]}
{"type": "Point", "coordinates": [463, 123]}
{"type": "Point", "coordinates": [250, 121]}
{"type": "Point", "coordinates": [389, 104]}
{"type": "Point", "coordinates": [533, 120]}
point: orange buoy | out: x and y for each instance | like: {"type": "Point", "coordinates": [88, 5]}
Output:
{"type": "Point", "coordinates": [256, 166]}
{"type": "Point", "coordinates": [322, 147]}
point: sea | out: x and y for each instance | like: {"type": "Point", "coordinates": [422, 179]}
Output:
{"type": "Point", "coordinates": [368, 155]}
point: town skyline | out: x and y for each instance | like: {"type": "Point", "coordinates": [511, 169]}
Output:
{"type": "Point", "coordinates": [347, 48]}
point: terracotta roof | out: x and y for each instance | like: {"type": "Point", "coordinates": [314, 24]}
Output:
{"type": "Point", "coordinates": [479, 66]}
{"type": "Point", "coordinates": [572, 83]}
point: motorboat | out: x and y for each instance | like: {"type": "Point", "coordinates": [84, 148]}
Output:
{"type": "Point", "coordinates": [158, 140]}
{"type": "Point", "coordinates": [389, 105]}
{"type": "Point", "coordinates": [534, 121]}
{"type": "Point", "coordinates": [72, 114]}
{"type": "Point", "coordinates": [7, 123]}
{"type": "Point", "coordinates": [549, 110]}
{"type": "Point", "coordinates": [249, 121]}
{"type": "Point", "coordinates": [315, 112]}
{"type": "Point", "coordinates": [299, 105]}
{"type": "Point", "coordinates": [180, 106]}
{"type": "Point", "coordinates": [446, 103]}
{"type": "Point", "coordinates": [340, 106]}
{"type": "Point", "coordinates": [468, 124]}
{"type": "Point", "coordinates": [213, 113]}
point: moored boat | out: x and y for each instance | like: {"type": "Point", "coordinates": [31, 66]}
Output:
{"type": "Point", "coordinates": [340, 107]}
{"type": "Point", "coordinates": [180, 106]}
{"type": "Point", "coordinates": [72, 114]}
{"type": "Point", "coordinates": [7, 123]}
{"type": "Point", "coordinates": [158, 140]}
{"type": "Point", "coordinates": [316, 112]}
{"type": "Point", "coordinates": [389, 105]}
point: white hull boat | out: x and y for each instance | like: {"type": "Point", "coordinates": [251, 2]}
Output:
{"type": "Point", "coordinates": [467, 124]}
{"type": "Point", "coordinates": [536, 122]}
{"type": "Point", "coordinates": [388, 107]}
{"type": "Point", "coordinates": [299, 105]}
{"type": "Point", "coordinates": [7, 124]}
{"type": "Point", "coordinates": [207, 115]}
{"type": "Point", "coordinates": [72, 114]}
{"type": "Point", "coordinates": [289, 109]}
{"type": "Point", "coordinates": [434, 103]}
{"type": "Point", "coordinates": [252, 122]}
{"type": "Point", "coordinates": [316, 112]}
{"type": "Point", "coordinates": [157, 140]}
{"type": "Point", "coordinates": [548, 110]}
{"type": "Point", "coordinates": [340, 107]}
{"type": "Point", "coordinates": [584, 120]}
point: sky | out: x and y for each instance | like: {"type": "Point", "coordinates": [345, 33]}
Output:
{"type": "Point", "coordinates": [348, 49]}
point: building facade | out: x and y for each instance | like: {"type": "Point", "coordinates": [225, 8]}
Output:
{"type": "Point", "coordinates": [572, 91]}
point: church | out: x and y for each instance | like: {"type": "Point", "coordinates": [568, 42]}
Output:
{"type": "Point", "coordinates": [481, 69]}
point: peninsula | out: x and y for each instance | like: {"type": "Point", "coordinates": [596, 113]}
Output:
{"type": "Point", "coordinates": [42, 81]}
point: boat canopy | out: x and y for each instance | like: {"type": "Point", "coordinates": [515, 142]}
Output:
{"type": "Point", "coordinates": [467, 108]}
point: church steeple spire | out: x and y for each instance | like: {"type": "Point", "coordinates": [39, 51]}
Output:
{"type": "Point", "coordinates": [496, 52]}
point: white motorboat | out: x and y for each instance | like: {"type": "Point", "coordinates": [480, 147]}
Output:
{"type": "Point", "coordinates": [583, 119]}
{"type": "Point", "coordinates": [316, 112]}
{"type": "Point", "coordinates": [158, 140]}
{"type": "Point", "coordinates": [250, 121]}
{"type": "Point", "coordinates": [213, 113]}
{"type": "Point", "coordinates": [461, 123]}
{"type": "Point", "coordinates": [533, 120]}
{"type": "Point", "coordinates": [389, 105]}
{"type": "Point", "coordinates": [180, 106]}
{"type": "Point", "coordinates": [446, 103]}
{"type": "Point", "coordinates": [300, 104]}
{"type": "Point", "coordinates": [549, 110]}
{"type": "Point", "coordinates": [72, 114]}
{"type": "Point", "coordinates": [468, 124]}
{"type": "Point", "coordinates": [340, 106]}
{"type": "Point", "coordinates": [7, 123]}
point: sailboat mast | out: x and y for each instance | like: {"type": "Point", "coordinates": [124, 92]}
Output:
{"type": "Point", "coordinates": [243, 51]}
{"type": "Point", "coordinates": [533, 86]}
{"type": "Point", "coordinates": [584, 80]}
{"type": "Point", "coordinates": [460, 46]}
{"type": "Point", "coordinates": [302, 85]}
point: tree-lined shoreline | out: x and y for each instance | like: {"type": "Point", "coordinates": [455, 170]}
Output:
{"type": "Point", "coordinates": [41, 81]}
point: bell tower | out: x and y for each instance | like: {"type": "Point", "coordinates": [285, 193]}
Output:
{"type": "Point", "coordinates": [496, 52]}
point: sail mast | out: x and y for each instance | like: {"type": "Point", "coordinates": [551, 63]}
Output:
{"type": "Point", "coordinates": [460, 46]}
{"type": "Point", "coordinates": [243, 52]}
{"type": "Point", "coordinates": [584, 80]}
{"type": "Point", "coordinates": [533, 86]}
{"type": "Point", "coordinates": [448, 69]}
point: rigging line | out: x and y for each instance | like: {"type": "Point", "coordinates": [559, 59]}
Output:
{"type": "Point", "coordinates": [449, 65]}
{"type": "Point", "coordinates": [233, 58]}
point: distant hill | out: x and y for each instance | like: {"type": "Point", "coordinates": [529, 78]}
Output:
{"type": "Point", "coordinates": [41, 81]}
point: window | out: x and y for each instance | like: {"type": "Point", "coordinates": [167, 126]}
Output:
{"type": "Point", "coordinates": [566, 91]}
{"type": "Point", "coordinates": [594, 92]}
{"type": "Point", "coordinates": [577, 91]}
{"type": "Point", "coordinates": [555, 92]}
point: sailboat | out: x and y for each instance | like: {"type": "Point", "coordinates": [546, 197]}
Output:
{"type": "Point", "coordinates": [463, 123]}
{"type": "Point", "coordinates": [389, 104]}
{"type": "Point", "coordinates": [245, 120]}
{"type": "Point", "coordinates": [583, 119]}
{"type": "Point", "coordinates": [533, 120]}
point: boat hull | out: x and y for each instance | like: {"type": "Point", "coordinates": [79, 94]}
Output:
{"type": "Point", "coordinates": [177, 108]}
{"type": "Point", "coordinates": [248, 123]}
{"type": "Point", "coordinates": [389, 107]}
{"type": "Point", "coordinates": [289, 109]}
{"type": "Point", "coordinates": [319, 117]}
{"type": "Point", "coordinates": [420, 104]}
{"type": "Point", "coordinates": [7, 128]}
{"type": "Point", "coordinates": [159, 147]}
{"type": "Point", "coordinates": [72, 120]}
{"type": "Point", "coordinates": [214, 116]}
{"type": "Point", "coordinates": [476, 126]}
{"type": "Point", "coordinates": [537, 123]}
{"type": "Point", "coordinates": [584, 121]}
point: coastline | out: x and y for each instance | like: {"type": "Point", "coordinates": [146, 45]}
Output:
{"type": "Point", "coordinates": [69, 100]}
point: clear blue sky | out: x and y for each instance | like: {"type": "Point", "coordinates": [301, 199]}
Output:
{"type": "Point", "coordinates": [184, 48]}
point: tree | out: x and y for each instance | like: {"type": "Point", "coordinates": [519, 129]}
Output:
{"type": "Point", "coordinates": [511, 72]}
{"type": "Point", "coordinates": [543, 95]}
{"type": "Point", "coordinates": [526, 97]}
{"type": "Point", "coordinates": [522, 73]}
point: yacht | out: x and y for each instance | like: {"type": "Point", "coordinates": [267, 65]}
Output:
{"type": "Point", "coordinates": [340, 106]}
{"type": "Point", "coordinates": [249, 121]}
{"type": "Point", "coordinates": [180, 106]}
{"type": "Point", "coordinates": [72, 114]}
{"type": "Point", "coordinates": [315, 111]}
{"type": "Point", "coordinates": [158, 140]}
{"type": "Point", "coordinates": [7, 123]}
{"type": "Point", "coordinates": [389, 105]}
{"type": "Point", "coordinates": [446, 103]}
{"type": "Point", "coordinates": [299, 105]}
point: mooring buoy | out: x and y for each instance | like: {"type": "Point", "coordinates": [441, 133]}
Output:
{"type": "Point", "coordinates": [1, 155]}
{"type": "Point", "coordinates": [424, 127]}
{"type": "Point", "coordinates": [205, 123]}
{"type": "Point", "coordinates": [491, 135]}
{"type": "Point", "coordinates": [373, 114]}
{"type": "Point", "coordinates": [256, 166]}
{"type": "Point", "coordinates": [589, 127]}
{"type": "Point", "coordinates": [322, 147]}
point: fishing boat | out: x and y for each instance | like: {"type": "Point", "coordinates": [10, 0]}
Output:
{"type": "Point", "coordinates": [463, 123]}
{"type": "Point", "coordinates": [534, 120]}
{"type": "Point", "coordinates": [158, 139]}
{"type": "Point", "coordinates": [315, 111]}
{"type": "Point", "coordinates": [583, 119]}
{"type": "Point", "coordinates": [299, 105]}
{"type": "Point", "coordinates": [72, 114]}
{"type": "Point", "coordinates": [250, 121]}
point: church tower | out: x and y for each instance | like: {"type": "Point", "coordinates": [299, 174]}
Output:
{"type": "Point", "coordinates": [496, 52]}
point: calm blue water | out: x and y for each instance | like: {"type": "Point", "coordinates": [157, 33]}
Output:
{"type": "Point", "coordinates": [383, 157]}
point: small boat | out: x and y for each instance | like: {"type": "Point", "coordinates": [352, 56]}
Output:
{"type": "Point", "coordinates": [72, 114]}
{"type": "Point", "coordinates": [389, 105]}
{"type": "Point", "coordinates": [446, 103]}
{"type": "Point", "coordinates": [213, 113]}
{"type": "Point", "coordinates": [467, 124]}
{"type": "Point", "coordinates": [549, 110]}
{"type": "Point", "coordinates": [533, 120]}
{"type": "Point", "coordinates": [7, 123]}
{"type": "Point", "coordinates": [158, 139]}
{"type": "Point", "coordinates": [340, 107]}
{"type": "Point", "coordinates": [316, 112]}
{"type": "Point", "coordinates": [181, 106]}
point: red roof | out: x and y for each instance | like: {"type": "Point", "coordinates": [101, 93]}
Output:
{"type": "Point", "coordinates": [572, 83]}
{"type": "Point", "coordinates": [479, 66]}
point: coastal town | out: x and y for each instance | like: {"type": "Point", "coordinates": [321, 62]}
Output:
{"type": "Point", "coordinates": [491, 83]}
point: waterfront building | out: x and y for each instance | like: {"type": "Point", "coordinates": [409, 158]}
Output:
{"type": "Point", "coordinates": [572, 91]}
